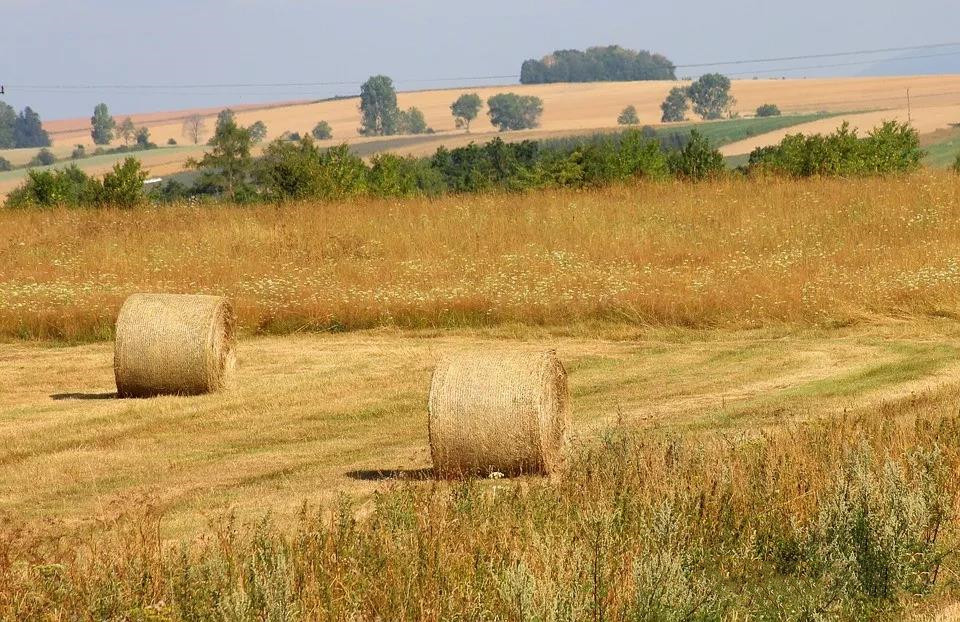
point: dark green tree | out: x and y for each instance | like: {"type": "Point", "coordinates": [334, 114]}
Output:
{"type": "Point", "coordinates": [258, 131]}
{"type": "Point", "coordinates": [5, 165]}
{"type": "Point", "coordinates": [466, 109]}
{"type": "Point", "coordinates": [226, 116]}
{"type": "Point", "coordinates": [44, 157]}
{"type": "Point", "coordinates": [143, 138]}
{"type": "Point", "coordinates": [28, 130]}
{"type": "Point", "coordinates": [102, 125]}
{"type": "Point", "coordinates": [509, 111]}
{"type": "Point", "coordinates": [8, 120]}
{"type": "Point", "coordinates": [697, 160]}
{"type": "Point", "coordinates": [675, 106]}
{"type": "Point", "coordinates": [768, 110]}
{"type": "Point", "coordinates": [602, 63]}
{"type": "Point", "coordinates": [378, 107]}
{"type": "Point", "coordinates": [322, 131]}
{"type": "Point", "coordinates": [226, 167]}
{"type": "Point", "coordinates": [628, 116]}
{"type": "Point", "coordinates": [123, 186]}
{"type": "Point", "coordinates": [411, 121]}
{"type": "Point", "coordinates": [711, 96]}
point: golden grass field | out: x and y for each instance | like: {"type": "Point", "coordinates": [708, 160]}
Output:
{"type": "Point", "coordinates": [742, 354]}
{"type": "Point", "coordinates": [568, 108]}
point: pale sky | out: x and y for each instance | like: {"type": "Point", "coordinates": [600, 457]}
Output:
{"type": "Point", "coordinates": [123, 43]}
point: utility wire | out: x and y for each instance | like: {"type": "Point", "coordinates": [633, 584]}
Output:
{"type": "Point", "coordinates": [829, 55]}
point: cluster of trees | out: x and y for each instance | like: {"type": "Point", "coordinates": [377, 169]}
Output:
{"type": "Point", "coordinates": [709, 95]}
{"type": "Point", "coordinates": [23, 130]}
{"type": "Point", "coordinates": [597, 64]}
{"type": "Point", "coordinates": [890, 148]}
{"type": "Point", "coordinates": [122, 187]}
{"type": "Point", "coordinates": [195, 127]}
{"type": "Point", "coordinates": [104, 128]}
{"type": "Point", "coordinates": [380, 115]}
{"type": "Point", "coordinates": [303, 170]}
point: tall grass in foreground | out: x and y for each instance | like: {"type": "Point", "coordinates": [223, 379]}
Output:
{"type": "Point", "coordinates": [737, 252]}
{"type": "Point", "coordinates": [852, 519]}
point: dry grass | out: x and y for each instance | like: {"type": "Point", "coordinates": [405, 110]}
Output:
{"type": "Point", "coordinates": [736, 253]}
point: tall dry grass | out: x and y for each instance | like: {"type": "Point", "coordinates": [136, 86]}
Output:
{"type": "Point", "coordinates": [852, 519]}
{"type": "Point", "coordinates": [731, 253]}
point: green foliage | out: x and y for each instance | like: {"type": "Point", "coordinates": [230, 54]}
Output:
{"type": "Point", "coordinates": [226, 117]}
{"type": "Point", "coordinates": [395, 176]}
{"type": "Point", "coordinates": [8, 120]}
{"type": "Point", "coordinates": [143, 138]}
{"type": "Point", "coordinates": [126, 131]}
{"type": "Point", "coordinates": [226, 167]}
{"type": "Point", "coordinates": [378, 107]}
{"type": "Point", "coordinates": [28, 130]}
{"type": "Point", "coordinates": [956, 164]}
{"type": "Point", "coordinates": [466, 109]}
{"type": "Point", "coordinates": [44, 157]}
{"type": "Point", "coordinates": [477, 168]}
{"type": "Point", "coordinates": [78, 152]}
{"type": "Point", "coordinates": [675, 106]}
{"type": "Point", "coordinates": [697, 160]}
{"type": "Point", "coordinates": [171, 141]}
{"type": "Point", "coordinates": [258, 131]}
{"type": "Point", "coordinates": [322, 131]}
{"type": "Point", "coordinates": [596, 64]}
{"type": "Point", "coordinates": [628, 116]}
{"type": "Point", "coordinates": [891, 148]}
{"type": "Point", "coordinates": [50, 188]}
{"type": "Point", "coordinates": [5, 165]}
{"type": "Point", "coordinates": [411, 121]}
{"type": "Point", "coordinates": [301, 170]}
{"type": "Point", "coordinates": [711, 96]}
{"type": "Point", "coordinates": [509, 111]}
{"type": "Point", "coordinates": [102, 125]}
{"type": "Point", "coordinates": [123, 186]}
{"type": "Point", "coordinates": [768, 110]}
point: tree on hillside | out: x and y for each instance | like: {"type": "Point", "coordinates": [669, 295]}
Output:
{"type": "Point", "coordinates": [711, 96]}
{"type": "Point", "coordinates": [28, 130]}
{"type": "Point", "coordinates": [8, 119]}
{"type": "Point", "coordinates": [509, 111]}
{"type": "Point", "coordinates": [378, 107]}
{"type": "Point", "coordinates": [675, 106]}
{"type": "Point", "coordinates": [466, 109]}
{"type": "Point", "coordinates": [101, 125]}
{"type": "Point", "coordinates": [143, 138]}
{"type": "Point", "coordinates": [194, 128]}
{"type": "Point", "coordinates": [595, 64]}
{"type": "Point", "coordinates": [628, 116]}
{"type": "Point", "coordinates": [768, 110]}
{"type": "Point", "coordinates": [411, 121]}
{"type": "Point", "coordinates": [258, 131]}
{"type": "Point", "coordinates": [226, 117]}
{"type": "Point", "coordinates": [227, 165]}
{"type": "Point", "coordinates": [322, 131]}
{"type": "Point", "coordinates": [126, 131]}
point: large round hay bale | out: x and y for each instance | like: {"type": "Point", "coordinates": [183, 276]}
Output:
{"type": "Point", "coordinates": [498, 411]}
{"type": "Point", "coordinates": [173, 344]}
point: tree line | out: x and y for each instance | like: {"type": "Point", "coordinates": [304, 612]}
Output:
{"type": "Point", "coordinates": [597, 64]}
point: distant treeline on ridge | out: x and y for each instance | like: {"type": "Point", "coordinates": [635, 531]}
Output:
{"type": "Point", "coordinates": [597, 64]}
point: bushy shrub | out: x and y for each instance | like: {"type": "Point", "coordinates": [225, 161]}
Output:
{"type": "Point", "coordinates": [123, 186]}
{"type": "Point", "coordinates": [301, 170]}
{"type": "Point", "coordinates": [509, 111]}
{"type": "Point", "coordinates": [171, 141]}
{"type": "Point", "coordinates": [411, 121]}
{"type": "Point", "coordinates": [768, 110]}
{"type": "Point", "coordinates": [5, 164]}
{"type": "Point", "coordinates": [78, 152]}
{"type": "Point", "coordinates": [697, 160]}
{"type": "Point", "coordinates": [476, 168]}
{"type": "Point", "coordinates": [44, 157]}
{"type": "Point", "coordinates": [322, 131]}
{"type": "Point", "coordinates": [395, 176]}
{"type": "Point", "coordinates": [956, 164]}
{"type": "Point", "coordinates": [891, 148]}
{"type": "Point", "coordinates": [50, 188]}
{"type": "Point", "coordinates": [628, 116]}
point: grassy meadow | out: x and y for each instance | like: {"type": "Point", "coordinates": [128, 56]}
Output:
{"type": "Point", "coordinates": [763, 376]}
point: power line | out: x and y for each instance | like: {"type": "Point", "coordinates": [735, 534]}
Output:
{"type": "Point", "coordinates": [850, 64]}
{"type": "Point", "coordinates": [829, 55]}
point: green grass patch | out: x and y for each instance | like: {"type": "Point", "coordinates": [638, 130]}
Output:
{"type": "Point", "coordinates": [944, 153]}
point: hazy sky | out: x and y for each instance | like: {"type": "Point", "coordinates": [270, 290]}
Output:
{"type": "Point", "coordinates": [203, 42]}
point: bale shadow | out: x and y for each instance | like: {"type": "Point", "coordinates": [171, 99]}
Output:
{"type": "Point", "coordinates": [379, 475]}
{"type": "Point", "coordinates": [84, 396]}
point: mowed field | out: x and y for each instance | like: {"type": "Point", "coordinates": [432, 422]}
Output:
{"type": "Point", "coordinates": [568, 108]}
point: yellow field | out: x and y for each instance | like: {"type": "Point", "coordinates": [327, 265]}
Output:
{"type": "Point", "coordinates": [568, 108]}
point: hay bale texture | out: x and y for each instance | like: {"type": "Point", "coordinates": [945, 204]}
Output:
{"type": "Point", "coordinates": [173, 344]}
{"type": "Point", "coordinates": [498, 411]}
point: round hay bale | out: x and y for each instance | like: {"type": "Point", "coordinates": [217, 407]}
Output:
{"type": "Point", "coordinates": [498, 411]}
{"type": "Point", "coordinates": [173, 344]}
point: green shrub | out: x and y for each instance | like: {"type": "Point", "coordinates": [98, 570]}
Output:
{"type": "Point", "coordinates": [956, 164]}
{"type": "Point", "coordinates": [301, 170]}
{"type": "Point", "coordinates": [509, 111]}
{"type": "Point", "coordinates": [768, 110]}
{"type": "Point", "coordinates": [171, 141]}
{"type": "Point", "coordinates": [44, 157]}
{"type": "Point", "coordinates": [697, 160]}
{"type": "Point", "coordinates": [123, 186]}
{"type": "Point", "coordinates": [628, 116]}
{"type": "Point", "coordinates": [395, 176]}
{"type": "Point", "coordinates": [411, 121]}
{"type": "Point", "coordinates": [891, 148]}
{"type": "Point", "coordinates": [5, 165]}
{"type": "Point", "coordinates": [50, 188]}
{"type": "Point", "coordinates": [78, 152]}
{"type": "Point", "coordinates": [322, 131]}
